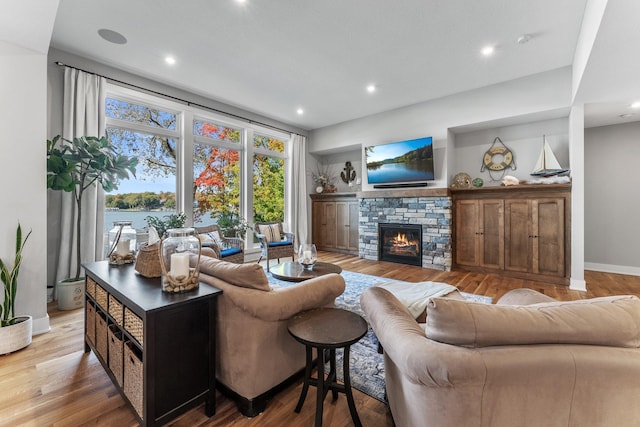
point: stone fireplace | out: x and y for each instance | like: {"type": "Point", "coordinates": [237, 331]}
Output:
{"type": "Point", "coordinates": [428, 208]}
{"type": "Point", "coordinates": [401, 243]}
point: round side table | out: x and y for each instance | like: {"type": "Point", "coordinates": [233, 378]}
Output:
{"type": "Point", "coordinates": [327, 329]}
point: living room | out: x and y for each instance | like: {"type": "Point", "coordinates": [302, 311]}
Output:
{"type": "Point", "coordinates": [563, 102]}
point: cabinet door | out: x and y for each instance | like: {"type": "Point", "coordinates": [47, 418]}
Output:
{"type": "Point", "coordinates": [319, 223]}
{"type": "Point", "coordinates": [342, 225]}
{"type": "Point", "coordinates": [518, 236]}
{"type": "Point", "coordinates": [467, 229]}
{"type": "Point", "coordinates": [329, 231]}
{"type": "Point", "coordinates": [491, 222]}
{"type": "Point", "coordinates": [548, 237]}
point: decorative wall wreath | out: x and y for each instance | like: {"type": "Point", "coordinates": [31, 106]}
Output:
{"type": "Point", "coordinates": [497, 158]}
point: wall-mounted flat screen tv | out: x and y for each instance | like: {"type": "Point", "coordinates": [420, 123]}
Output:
{"type": "Point", "coordinates": [408, 161]}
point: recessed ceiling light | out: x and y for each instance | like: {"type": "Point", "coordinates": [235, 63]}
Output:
{"type": "Point", "coordinates": [487, 50]}
{"type": "Point", "coordinates": [170, 60]}
{"type": "Point", "coordinates": [300, 111]}
{"type": "Point", "coordinates": [635, 104]}
{"type": "Point", "coordinates": [241, 1]}
{"type": "Point", "coordinates": [371, 88]}
{"type": "Point", "coordinates": [112, 36]}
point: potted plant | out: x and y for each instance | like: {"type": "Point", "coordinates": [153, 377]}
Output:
{"type": "Point", "coordinates": [170, 221]}
{"type": "Point", "coordinates": [15, 332]}
{"type": "Point", "coordinates": [76, 165]}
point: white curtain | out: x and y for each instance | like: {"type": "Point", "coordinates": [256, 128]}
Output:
{"type": "Point", "coordinates": [299, 190]}
{"type": "Point", "coordinates": [83, 115]}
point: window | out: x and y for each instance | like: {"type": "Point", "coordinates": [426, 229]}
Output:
{"type": "Point", "coordinates": [215, 169]}
{"type": "Point", "coordinates": [268, 179]}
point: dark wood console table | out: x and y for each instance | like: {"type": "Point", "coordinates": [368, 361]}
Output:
{"type": "Point", "coordinates": [158, 348]}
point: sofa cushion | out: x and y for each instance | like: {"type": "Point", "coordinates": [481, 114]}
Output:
{"type": "Point", "coordinates": [271, 232]}
{"type": "Point", "coordinates": [244, 275]}
{"type": "Point", "coordinates": [610, 321]}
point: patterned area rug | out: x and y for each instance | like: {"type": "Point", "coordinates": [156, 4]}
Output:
{"type": "Point", "coordinates": [366, 364]}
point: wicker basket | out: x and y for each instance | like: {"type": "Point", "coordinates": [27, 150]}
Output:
{"type": "Point", "coordinates": [91, 322]}
{"type": "Point", "coordinates": [133, 377]}
{"type": "Point", "coordinates": [133, 324]}
{"type": "Point", "coordinates": [102, 345]}
{"type": "Point", "coordinates": [148, 261]}
{"type": "Point", "coordinates": [115, 310]}
{"type": "Point", "coordinates": [115, 353]}
{"type": "Point", "coordinates": [101, 297]}
{"type": "Point", "coordinates": [91, 287]}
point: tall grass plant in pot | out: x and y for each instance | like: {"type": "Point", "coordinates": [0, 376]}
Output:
{"type": "Point", "coordinates": [75, 166]}
{"type": "Point", "coordinates": [15, 331]}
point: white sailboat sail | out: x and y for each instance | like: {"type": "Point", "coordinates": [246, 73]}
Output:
{"type": "Point", "coordinates": [547, 164]}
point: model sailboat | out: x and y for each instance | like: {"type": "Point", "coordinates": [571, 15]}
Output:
{"type": "Point", "coordinates": [547, 164]}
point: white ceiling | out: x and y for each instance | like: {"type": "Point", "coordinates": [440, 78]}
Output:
{"type": "Point", "coordinates": [272, 57]}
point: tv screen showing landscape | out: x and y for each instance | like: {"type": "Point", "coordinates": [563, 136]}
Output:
{"type": "Point", "coordinates": [400, 162]}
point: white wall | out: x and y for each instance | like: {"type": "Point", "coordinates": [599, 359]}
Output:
{"type": "Point", "coordinates": [23, 118]}
{"type": "Point", "coordinates": [612, 202]}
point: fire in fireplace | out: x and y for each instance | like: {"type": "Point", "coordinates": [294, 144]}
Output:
{"type": "Point", "coordinates": [400, 243]}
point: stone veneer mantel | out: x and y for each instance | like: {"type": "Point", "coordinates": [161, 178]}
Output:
{"type": "Point", "coordinates": [430, 208]}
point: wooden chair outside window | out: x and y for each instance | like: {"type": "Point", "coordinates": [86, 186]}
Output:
{"type": "Point", "coordinates": [275, 242]}
{"type": "Point", "coordinates": [230, 249]}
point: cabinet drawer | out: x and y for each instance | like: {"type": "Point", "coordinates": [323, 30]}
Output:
{"type": "Point", "coordinates": [133, 324]}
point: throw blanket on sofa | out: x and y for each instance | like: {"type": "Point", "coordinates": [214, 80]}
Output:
{"type": "Point", "coordinates": [416, 296]}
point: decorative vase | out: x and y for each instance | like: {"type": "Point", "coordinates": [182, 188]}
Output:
{"type": "Point", "coordinates": [122, 243]}
{"type": "Point", "coordinates": [70, 294]}
{"type": "Point", "coordinates": [180, 260]}
{"type": "Point", "coordinates": [17, 336]}
{"type": "Point", "coordinates": [307, 255]}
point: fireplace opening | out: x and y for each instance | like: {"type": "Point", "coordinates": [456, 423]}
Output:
{"type": "Point", "coordinates": [401, 243]}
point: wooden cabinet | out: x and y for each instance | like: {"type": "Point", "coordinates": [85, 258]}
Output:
{"type": "Point", "coordinates": [157, 348]}
{"type": "Point", "coordinates": [522, 231]}
{"type": "Point", "coordinates": [335, 222]}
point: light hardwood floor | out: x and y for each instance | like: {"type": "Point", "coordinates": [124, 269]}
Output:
{"type": "Point", "coordinates": [53, 382]}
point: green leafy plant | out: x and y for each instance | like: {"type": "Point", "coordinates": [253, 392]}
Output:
{"type": "Point", "coordinates": [76, 165]}
{"type": "Point", "coordinates": [9, 279]}
{"type": "Point", "coordinates": [170, 221]}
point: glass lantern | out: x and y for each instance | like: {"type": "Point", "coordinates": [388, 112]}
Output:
{"type": "Point", "coordinates": [307, 255]}
{"type": "Point", "coordinates": [180, 260]}
{"type": "Point", "coordinates": [122, 243]}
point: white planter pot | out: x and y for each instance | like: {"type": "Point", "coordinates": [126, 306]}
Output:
{"type": "Point", "coordinates": [70, 294]}
{"type": "Point", "coordinates": [15, 337]}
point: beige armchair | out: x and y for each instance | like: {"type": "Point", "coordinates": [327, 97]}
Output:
{"type": "Point", "coordinates": [230, 249]}
{"type": "Point", "coordinates": [274, 241]}
{"type": "Point", "coordinates": [256, 355]}
{"type": "Point", "coordinates": [551, 363]}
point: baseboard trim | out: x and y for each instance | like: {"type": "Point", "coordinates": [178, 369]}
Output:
{"type": "Point", "coordinates": [611, 268]}
{"type": "Point", "coordinates": [41, 325]}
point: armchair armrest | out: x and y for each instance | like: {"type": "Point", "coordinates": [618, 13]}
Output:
{"type": "Point", "coordinates": [233, 242]}
{"type": "Point", "coordinates": [422, 360]}
{"type": "Point", "coordinates": [213, 246]}
{"type": "Point", "coordinates": [283, 303]}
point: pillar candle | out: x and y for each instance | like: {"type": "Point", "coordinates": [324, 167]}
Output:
{"type": "Point", "coordinates": [180, 264]}
{"type": "Point", "coordinates": [123, 247]}
{"type": "Point", "coordinates": [306, 256]}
